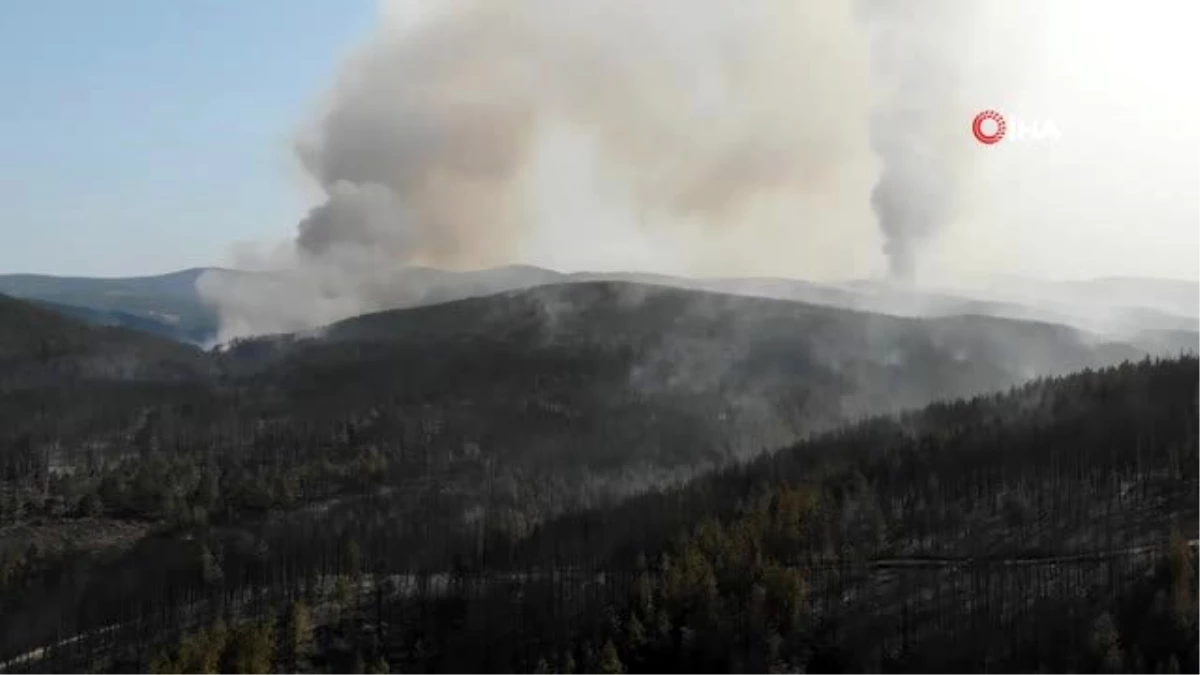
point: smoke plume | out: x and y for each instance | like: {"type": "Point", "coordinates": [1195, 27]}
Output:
{"type": "Point", "coordinates": [749, 134]}
{"type": "Point", "coordinates": [918, 120]}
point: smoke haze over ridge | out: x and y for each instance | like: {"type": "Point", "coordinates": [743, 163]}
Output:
{"type": "Point", "coordinates": [814, 139]}
{"type": "Point", "coordinates": [689, 130]}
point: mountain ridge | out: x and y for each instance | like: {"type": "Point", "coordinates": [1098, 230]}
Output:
{"type": "Point", "coordinates": [171, 304]}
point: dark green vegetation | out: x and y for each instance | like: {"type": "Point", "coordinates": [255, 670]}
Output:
{"type": "Point", "coordinates": [447, 488]}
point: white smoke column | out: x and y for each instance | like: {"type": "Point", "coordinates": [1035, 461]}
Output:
{"type": "Point", "coordinates": [737, 132]}
{"type": "Point", "coordinates": [921, 51]}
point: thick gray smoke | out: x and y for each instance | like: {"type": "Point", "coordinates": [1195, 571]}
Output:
{"type": "Point", "coordinates": [744, 131]}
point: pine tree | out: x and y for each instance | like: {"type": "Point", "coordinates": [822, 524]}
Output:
{"type": "Point", "coordinates": [161, 663]}
{"type": "Point", "coordinates": [635, 633]}
{"type": "Point", "coordinates": [251, 649]}
{"type": "Point", "coordinates": [1183, 576]}
{"type": "Point", "coordinates": [610, 661]}
{"type": "Point", "coordinates": [298, 634]}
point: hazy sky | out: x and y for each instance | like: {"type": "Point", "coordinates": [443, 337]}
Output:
{"type": "Point", "coordinates": [142, 136]}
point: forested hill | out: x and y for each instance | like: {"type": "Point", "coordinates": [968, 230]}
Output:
{"type": "Point", "coordinates": [615, 385]}
{"type": "Point", "coordinates": [1013, 459]}
{"type": "Point", "coordinates": [42, 347]}
{"type": "Point", "coordinates": [167, 303]}
{"type": "Point", "coordinates": [668, 375]}
{"type": "Point", "coordinates": [1045, 528]}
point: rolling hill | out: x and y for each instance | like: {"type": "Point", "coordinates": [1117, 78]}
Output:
{"type": "Point", "coordinates": [611, 383]}
{"type": "Point", "coordinates": [43, 347]}
{"type": "Point", "coordinates": [622, 372]}
{"type": "Point", "coordinates": [116, 318]}
{"type": "Point", "coordinates": [166, 304]}
{"type": "Point", "coordinates": [1154, 314]}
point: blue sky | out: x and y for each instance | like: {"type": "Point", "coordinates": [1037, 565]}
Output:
{"type": "Point", "coordinates": [142, 136]}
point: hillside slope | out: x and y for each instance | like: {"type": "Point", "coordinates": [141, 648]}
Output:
{"type": "Point", "coordinates": [1045, 528]}
{"type": "Point", "coordinates": [116, 318]}
{"type": "Point", "coordinates": [624, 372]}
{"type": "Point", "coordinates": [169, 301]}
{"type": "Point", "coordinates": [42, 347]}
{"type": "Point", "coordinates": [572, 378]}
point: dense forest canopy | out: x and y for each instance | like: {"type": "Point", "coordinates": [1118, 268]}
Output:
{"type": "Point", "coordinates": [573, 479]}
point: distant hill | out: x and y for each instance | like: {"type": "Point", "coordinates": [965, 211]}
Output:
{"type": "Point", "coordinates": [1120, 308]}
{"type": "Point", "coordinates": [1109, 303]}
{"type": "Point", "coordinates": [101, 317]}
{"type": "Point", "coordinates": [256, 303]}
{"type": "Point", "coordinates": [1135, 310]}
{"type": "Point", "coordinates": [166, 304]}
{"type": "Point", "coordinates": [42, 347]}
